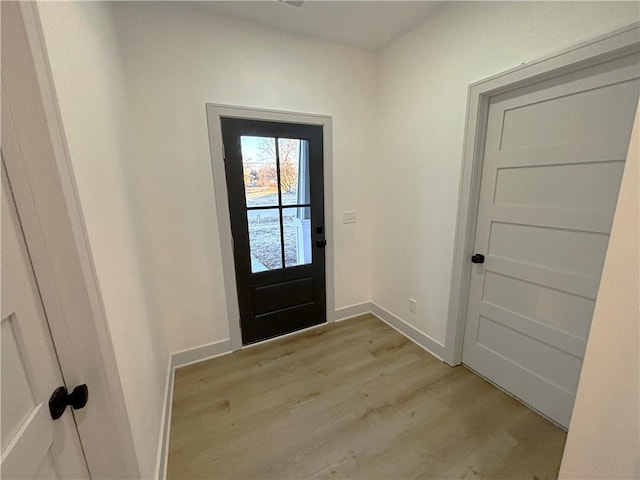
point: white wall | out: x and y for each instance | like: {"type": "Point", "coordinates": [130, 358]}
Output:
{"type": "Point", "coordinates": [423, 80]}
{"type": "Point", "coordinates": [604, 435]}
{"type": "Point", "coordinates": [133, 79]}
{"type": "Point", "coordinates": [83, 52]}
{"type": "Point", "coordinates": [177, 58]}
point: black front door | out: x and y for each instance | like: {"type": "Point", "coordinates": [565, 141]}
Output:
{"type": "Point", "coordinates": [274, 180]}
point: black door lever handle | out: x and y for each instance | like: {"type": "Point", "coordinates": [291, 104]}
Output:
{"type": "Point", "coordinates": [477, 258]}
{"type": "Point", "coordinates": [321, 243]}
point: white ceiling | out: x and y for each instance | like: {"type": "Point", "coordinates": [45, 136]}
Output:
{"type": "Point", "coordinates": [370, 25]}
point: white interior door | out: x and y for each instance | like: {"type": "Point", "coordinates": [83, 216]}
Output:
{"type": "Point", "coordinates": [553, 162]}
{"type": "Point", "coordinates": [33, 445]}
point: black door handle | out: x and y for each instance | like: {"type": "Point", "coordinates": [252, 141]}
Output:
{"type": "Point", "coordinates": [321, 243]}
{"type": "Point", "coordinates": [477, 258]}
{"type": "Point", "coordinates": [60, 399]}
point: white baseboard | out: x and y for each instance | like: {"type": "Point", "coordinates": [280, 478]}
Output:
{"type": "Point", "coordinates": [163, 447]}
{"type": "Point", "coordinates": [351, 311]}
{"type": "Point", "coordinates": [211, 350]}
{"type": "Point", "coordinates": [178, 360]}
{"type": "Point", "coordinates": [421, 339]}
{"type": "Point", "coordinates": [199, 354]}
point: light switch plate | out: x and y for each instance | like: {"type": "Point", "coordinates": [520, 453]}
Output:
{"type": "Point", "coordinates": [349, 217]}
{"type": "Point", "coordinates": [412, 305]}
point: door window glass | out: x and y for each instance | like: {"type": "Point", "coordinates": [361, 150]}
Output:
{"type": "Point", "coordinates": [276, 186]}
{"type": "Point", "coordinates": [293, 155]}
{"type": "Point", "coordinates": [260, 171]}
{"type": "Point", "coordinates": [297, 235]}
{"type": "Point", "coordinates": [264, 239]}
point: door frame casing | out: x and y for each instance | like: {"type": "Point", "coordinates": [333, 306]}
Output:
{"type": "Point", "coordinates": [622, 42]}
{"type": "Point", "coordinates": [42, 180]}
{"type": "Point", "coordinates": [214, 111]}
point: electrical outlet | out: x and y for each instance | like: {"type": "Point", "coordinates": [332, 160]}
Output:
{"type": "Point", "coordinates": [412, 305]}
{"type": "Point", "coordinates": [349, 217]}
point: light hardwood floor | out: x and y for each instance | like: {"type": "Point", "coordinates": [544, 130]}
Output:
{"type": "Point", "coordinates": [353, 399]}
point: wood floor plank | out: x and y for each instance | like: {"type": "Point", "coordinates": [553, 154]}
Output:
{"type": "Point", "coordinates": [353, 399]}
